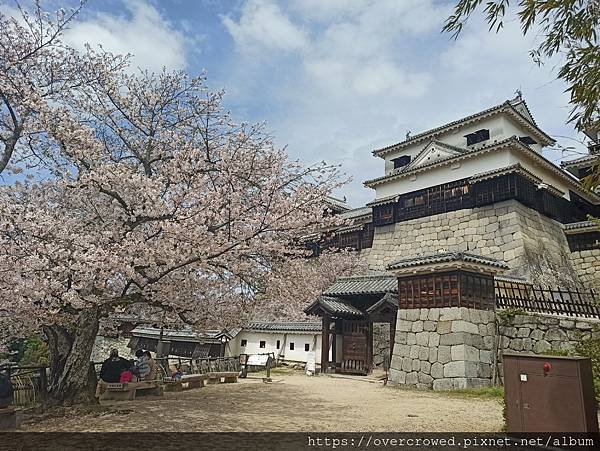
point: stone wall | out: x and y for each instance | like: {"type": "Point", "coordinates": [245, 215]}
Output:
{"type": "Point", "coordinates": [445, 348]}
{"type": "Point", "coordinates": [539, 334]}
{"type": "Point", "coordinates": [103, 345]}
{"type": "Point", "coordinates": [533, 245]}
{"type": "Point", "coordinates": [453, 348]}
{"type": "Point", "coordinates": [587, 267]}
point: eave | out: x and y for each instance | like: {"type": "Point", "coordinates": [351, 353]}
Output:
{"type": "Point", "coordinates": [514, 142]}
{"type": "Point", "coordinates": [506, 107]}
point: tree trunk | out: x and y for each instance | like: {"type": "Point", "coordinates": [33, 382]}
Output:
{"type": "Point", "coordinates": [72, 375]}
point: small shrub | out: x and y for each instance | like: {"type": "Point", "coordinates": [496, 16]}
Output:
{"type": "Point", "coordinates": [590, 348]}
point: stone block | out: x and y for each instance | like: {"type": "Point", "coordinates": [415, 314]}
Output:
{"type": "Point", "coordinates": [414, 352]}
{"type": "Point", "coordinates": [401, 315]}
{"type": "Point", "coordinates": [434, 339]}
{"type": "Point", "coordinates": [488, 342]}
{"type": "Point", "coordinates": [424, 353]}
{"type": "Point", "coordinates": [425, 367]}
{"type": "Point", "coordinates": [464, 353]}
{"type": "Point", "coordinates": [444, 354]}
{"type": "Point", "coordinates": [508, 331]}
{"type": "Point", "coordinates": [429, 326]}
{"type": "Point", "coordinates": [406, 364]}
{"type": "Point", "coordinates": [527, 344]}
{"type": "Point", "coordinates": [400, 338]}
{"type": "Point", "coordinates": [473, 369]}
{"type": "Point", "coordinates": [555, 334]}
{"type": "Point", "coordinates": [403, 325]}
{"type": "Point", "coordinates": [566, 324]}
{"type": "Point", "coordinates": [444, 327]}
{"type": "Point", "coordinates": [443, 384]}
{"type": "Point", "coordinates": [411, 339]}
{"type": "Point", "coordinates": [464, 326]}
{"type": "Point", "coordinates": [416, 365]}
{"type": "Point", "coordinates": [453, 338]}
{"type": "Point", "coordinates": [425, 379]}
{"type": "Point", "coordinates": [485, 356]}
{"type": "Point", "coordinates": [417, 326]}
{"type": "Point", "coordinates": [516, 344]}
{"type": "Point", "coordinates": [536, 334]}
{"type": "Point", "coordinates": [434, 314]}
{"type": "Point", "coordinates": [541, 346]}
{"type": "Point", "coordinates": [412, 378]}
{"type": "Point", "coordinates": [582, 325]}
{"type": "Point", "coordinates": [402, 350]}
{"type": "Point", "coordinates": [424, 314]}
{"type": "Point", "coordinates": [433, 355]}
{"type": "Point", "coordinates": [413, 314]}
{"type": "Point", "coordinates": [437, 370]}
{"type": "Point", "coordinates": [449, 313]}
{"type": "Point", "coordinates": [454, 369]}
{"type": "Point", "coordinates": [422, 338]}
{"type": "Point", "coordinates": [523, 332]}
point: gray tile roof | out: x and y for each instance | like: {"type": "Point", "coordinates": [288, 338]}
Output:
{"type": "Point", "coordinates": [356, 213]}
{"type": "Point", "coordinates": [288, 326]}
{"type": "Point", "coordinates": [508, 106]}
{"type": "Point", "coordinates": [348, 286]}
{"type": "Point", "coordinates": [581, 161]}
{"type": "Point", "coordinates": [390, 299]}
{"type": "Point", "coordinates": [443, 257]}
{"type": "Point", "coordinates": [334, 306]}
{"type": "Point", "coordinates": [582, 226]}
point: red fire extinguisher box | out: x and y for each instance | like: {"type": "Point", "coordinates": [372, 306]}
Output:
{"type": "Point", "coordinates": [549, 393]}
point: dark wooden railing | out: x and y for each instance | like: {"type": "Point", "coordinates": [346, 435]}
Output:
{"type": "Point", "coordinates": [30, 384]}
{"type": "Point", "coordinates": [544, 300]}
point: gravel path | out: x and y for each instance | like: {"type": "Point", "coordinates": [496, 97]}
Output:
{"type": "Point", "coordinates": [290, 403]}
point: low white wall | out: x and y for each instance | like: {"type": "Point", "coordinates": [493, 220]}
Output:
{"type": "Point", "coordinates": [298, 354]}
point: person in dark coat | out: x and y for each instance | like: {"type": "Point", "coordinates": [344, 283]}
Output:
{"type": "Point", "coordinates": [111, 370]}
{"type": "Point", "coordinates": [6, 390]}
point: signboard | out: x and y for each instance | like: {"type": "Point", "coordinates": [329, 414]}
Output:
{"type": "Point", "coordinates": [258, 359]}
{"type": "Point", "coordinates": [310, 362]}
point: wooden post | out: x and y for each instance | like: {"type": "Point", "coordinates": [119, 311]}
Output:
{"type": "Point", "coordinates": [325, 344]}
{"type": "Point", "coordinates": [369, 362]}
{"type": "Point", "coordinates": [43, 382]}
{"type": "Point", "coordinates": [392, 338]}
{"type": "Point", "coordinates": [334, 346]}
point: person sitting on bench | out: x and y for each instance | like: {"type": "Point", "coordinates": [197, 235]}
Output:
{"type": "Point", "coordinates": [152, 365]}
{"type": "Point", "coordinates": [111, 370]}
{"type": "Point", "coordinates": [142, 366]}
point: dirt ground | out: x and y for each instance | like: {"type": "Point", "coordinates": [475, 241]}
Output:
{"type": "Point", "coordinates": [292, 402]}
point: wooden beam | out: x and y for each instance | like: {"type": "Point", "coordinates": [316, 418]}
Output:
{"type": "Point", "coordinates": [325, 344]}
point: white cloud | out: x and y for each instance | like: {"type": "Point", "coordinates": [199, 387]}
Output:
{"type": "Point", "coordinates": [143, 32]}
{"type": "Point", "coordinates": [367, 71]}
{"type": "Point", "coordinates": [262, 24]}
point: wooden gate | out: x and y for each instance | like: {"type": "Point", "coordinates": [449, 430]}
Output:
{"type": "Point", "coordinates": [355, 335]}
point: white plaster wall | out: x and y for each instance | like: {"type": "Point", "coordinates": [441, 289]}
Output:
{"type": "Point", "coordinates": [444, 174]}
{"type": "Point", "coordinates": [254, 338]}
{"type": "Point", "coordinates": [500, 127]}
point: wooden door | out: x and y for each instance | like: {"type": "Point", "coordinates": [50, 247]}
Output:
{"type": "Point", "coordinates": [355, 352]}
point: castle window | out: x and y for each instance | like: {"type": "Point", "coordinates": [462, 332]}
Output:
{"type": "Point", "coordinates": [478, 136]}
{"type": "Point", "coordinates": [291, 346]}
{"type": "Point", "coordinates": [527, 140]}
{"type": "Point", "coordinates": [306, 347]}
{"type": "Point", "coordinates": [244, 343]}
{"type": "Point", "coordinates": [262, 344]}
{"type": "Point", "coordinates": [401, 161]}
{"type": "Point", "coordinates": [278, 344]}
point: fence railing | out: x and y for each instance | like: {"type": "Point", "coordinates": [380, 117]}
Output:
{"type": "Point", "coordinates": [200, 365]}
{"type": "Point", "coordinates": [30, 384]}
{"type": "Point", "coordinates": [545, 300]}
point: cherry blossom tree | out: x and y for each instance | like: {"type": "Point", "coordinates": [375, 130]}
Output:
{"type": "Point", "coordinates": [157, 201]}
{"type": "Point", "coordinates": [37, 67]}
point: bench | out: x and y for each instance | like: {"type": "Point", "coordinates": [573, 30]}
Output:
{"type": "Point", "coordinates": [228, 377]}
{"type": "Point", "coordinates": [190, 381]}
{"type": "Point", "coordinates": [128, 390]}
{"type": "Point", "coordinates": [9, 418]}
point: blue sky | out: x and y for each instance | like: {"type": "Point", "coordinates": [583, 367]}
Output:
{"type": "Point", "coordinates": [334, 79]}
